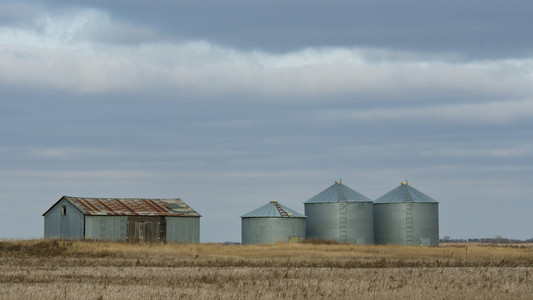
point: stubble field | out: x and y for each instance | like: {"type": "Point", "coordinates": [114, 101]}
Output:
{"type": "Point", "coordinates": [102, 270]}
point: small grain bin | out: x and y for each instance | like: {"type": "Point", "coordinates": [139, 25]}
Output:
{"type": "Point", "coordinates": [406, 216]}
{"type": "Point", "coordinates": [340, 214]}
{"type": "Point", "coordinates": [272, 223]}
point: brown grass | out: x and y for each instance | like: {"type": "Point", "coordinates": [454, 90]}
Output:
{"type": "Point", "coordinates": [63, 269]}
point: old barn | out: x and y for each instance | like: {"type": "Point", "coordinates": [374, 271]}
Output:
{"type": "Point", "coordinates": [122, 219]}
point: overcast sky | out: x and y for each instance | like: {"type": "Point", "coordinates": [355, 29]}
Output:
{"type": "Point", "coordinates": [231, 104]}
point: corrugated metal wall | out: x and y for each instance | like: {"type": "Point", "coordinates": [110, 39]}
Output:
{"type": "Point", "coordinates": [272, 230]}
{"type": "Point", "coordinates": [408, 223]}
{"type": "Point", "coordinates": [68, 226]}
{"type": "Point", "coordinates": [183, 229]}
{"type": "Point", "coordinates": [346, 222]}
{"type": "Point", "coordinates": [111, 228]}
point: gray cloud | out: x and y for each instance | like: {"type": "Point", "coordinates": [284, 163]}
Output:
{"type": "Point", "coordinates": [210, 70]}
{"type": "Point", "coordinates": [19, 13]}
{"type": "Point", "coordinates": [232, 105]}
{"type": "Point", "coordinates": [476, 29]}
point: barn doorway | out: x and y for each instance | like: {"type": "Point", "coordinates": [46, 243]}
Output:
{"type": "Point", "coordinates": [142, 229]}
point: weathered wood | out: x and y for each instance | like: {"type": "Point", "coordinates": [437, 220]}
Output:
{"type": "Point", "coordinates": [145, 229]}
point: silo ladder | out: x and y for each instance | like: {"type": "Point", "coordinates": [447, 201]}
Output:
{"type": "Point", "coordinates": [281, 211]}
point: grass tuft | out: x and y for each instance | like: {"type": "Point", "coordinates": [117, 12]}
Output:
{"type": "Point", "coordinates": [50, 247]}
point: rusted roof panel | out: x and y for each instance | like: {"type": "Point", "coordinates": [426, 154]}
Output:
{"type": "Point", "coordinates": [132, 207]}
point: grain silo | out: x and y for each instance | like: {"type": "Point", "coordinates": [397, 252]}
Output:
{"type": "Point", "coordinates": [340, 214]}
{"type": "Point", "coordinates": [406, 216]}
{"type": "Point", "coordinates": [272, 223]}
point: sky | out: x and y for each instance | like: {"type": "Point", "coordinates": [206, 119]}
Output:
{"type": "Point", "coordinates": [231, 104]}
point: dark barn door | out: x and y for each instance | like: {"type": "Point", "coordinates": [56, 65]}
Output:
{"type": "Point", "coordinates": [146, 229]}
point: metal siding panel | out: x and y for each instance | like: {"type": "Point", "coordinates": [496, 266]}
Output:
{"type": "Point", "coordinates": [271, 230]}
{"type": "Point", "coordinates": [183, 229]}
{"type": "Point", "coordinates": [325, 221]}
{"type": "Point", "coordinates": [69, 226]}
{"type": "Point", "coordinates": [51, 225]}
{"type": "Point", "coordinates": [426, 224]}
{"type": "Point", "coordinates": [360, 223]}
{"type": "Point", "coordinates": [390, 223]}
{"type": "Point", "coordinates": [52, 222]}
{"type": "Point", "coordinates": [322, 221]}
{"type": "Point", "coordinates": [112, 228]}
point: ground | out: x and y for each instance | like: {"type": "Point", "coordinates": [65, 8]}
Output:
{"type": "Point", "coordinates": [102, 270]}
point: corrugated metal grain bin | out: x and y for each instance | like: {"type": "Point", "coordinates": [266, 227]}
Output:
{"type": "Point", "coordinates": [272, 223]}
{"type": "Point", "coordinates": [122, 219]}
{"type": "Point", "coordinates": [340, 214]}
{"type": "Point", "coordinates": [406, 216]}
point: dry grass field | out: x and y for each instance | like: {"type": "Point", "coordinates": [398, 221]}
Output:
{"type": "Point", "coordinates": [102, 270]}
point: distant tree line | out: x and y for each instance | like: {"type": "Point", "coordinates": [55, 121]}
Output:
{"type": "Point", "coordinates": [495, 240]}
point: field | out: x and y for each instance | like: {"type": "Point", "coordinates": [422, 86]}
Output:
{"type": "Point", "coordinates": [103, 270]}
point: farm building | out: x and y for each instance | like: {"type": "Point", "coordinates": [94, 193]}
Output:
{"type": "Point", "coordinates": [340, 214]}
{"type": "Point", "coordinates": [406, 216]}
{"type": "Point", "coordinates": [272, 223]}
{"type": "Point", "coordinates": [121, 219]}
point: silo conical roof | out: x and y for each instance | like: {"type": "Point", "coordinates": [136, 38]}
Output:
{"type": "Point", "coordinates": [338, 192]}
{"type": "Point", "coordinates": [273, 210]}
{"type": "Point", "coordinates": [405, 193]}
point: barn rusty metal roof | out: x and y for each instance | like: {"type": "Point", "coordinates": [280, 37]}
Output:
{"type": "Point", "coordinates": [132, 207]}
{"type": "Point", "coordinates": [405, 193]}
{"type": "Point", "coordinates": [273, 210]}
{"type": "Point", "coordinates": [338, 192]}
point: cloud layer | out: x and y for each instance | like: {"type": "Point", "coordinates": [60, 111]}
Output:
{"type": "Point", "coordinates": [59, 53]}
{"type": "Point", "coordinates": [232, 105]}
